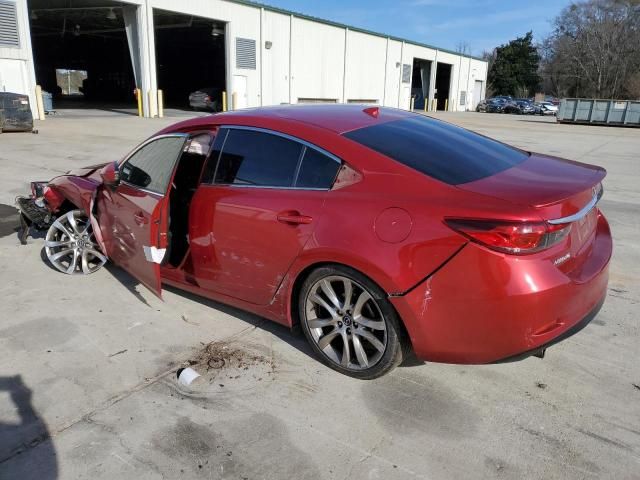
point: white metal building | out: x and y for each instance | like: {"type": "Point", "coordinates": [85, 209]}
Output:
{"type": "Point", "coordinates": [263, 54]}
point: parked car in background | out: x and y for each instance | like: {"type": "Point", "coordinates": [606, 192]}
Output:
{"type": "Point", "coordinates": [376, 231]}
{"type": "Point", "coordinates": [496, 105]}
{"type": "Point", "coordinates": [520, 107]}
{"type": "Point", "coordinates": [209, 99]}
{"type": "Point", "coordinates": [482, 105]}
{"type": "Point", "coordinates": [546, 108]}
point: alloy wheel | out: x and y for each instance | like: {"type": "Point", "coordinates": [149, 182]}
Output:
{"type": "Point", "coordinates": [346, 323]}
{"type": "Point", "coordinates": [71, 246]}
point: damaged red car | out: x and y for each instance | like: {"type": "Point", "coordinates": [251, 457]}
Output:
{"type": "Point", "coordinates": [376, 231]}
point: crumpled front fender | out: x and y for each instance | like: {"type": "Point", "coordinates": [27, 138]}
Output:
{"type": "Point", "coordinates": [77, 190]}
{"type": "Point", "coordinates": [80, 191]}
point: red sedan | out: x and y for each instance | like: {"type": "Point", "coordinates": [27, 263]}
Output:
{"type": "Point", "coordinates": [377, 231]}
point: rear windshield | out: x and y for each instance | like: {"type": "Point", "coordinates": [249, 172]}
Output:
{"type": "Point", "coordinates": [443, 151]}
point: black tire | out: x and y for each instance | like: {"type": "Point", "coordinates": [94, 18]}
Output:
{"type": "Point", "coordinates": [397, 345]}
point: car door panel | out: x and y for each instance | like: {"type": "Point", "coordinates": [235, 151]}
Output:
{"type": "Point", "coordinates": [243, 240]}
{"type": "Point", "coordinates": [132, 217]}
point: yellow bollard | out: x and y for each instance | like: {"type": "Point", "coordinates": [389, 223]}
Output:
{"type": "Point", "coordinates": [224, 101]}
{"type": "Point", "coordinates": [152, 104]}
{"type": "Point", "coordinates": [434, 105]}
{"type": "Point", "coordinates": [160, 104]}
{"type": "Point", "coordinates": [426, 105]}
{"type": "Point", "coordinates": [446, 104]}
{"type": "Point", "coordinates": [234, 101]}
{"type": "Point", "coordinates": [411, 105]}
{"type": "Point", "coordinates": [139, 100]}
{"type": "Point", "coordinates": [39, 103]}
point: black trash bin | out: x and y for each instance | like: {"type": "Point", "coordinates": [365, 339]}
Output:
{"type": "Point", "coordinates": [15, 114]}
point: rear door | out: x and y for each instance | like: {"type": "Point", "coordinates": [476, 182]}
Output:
{"type": "Point", "coordinates": [133, 216]}
{"type": "Point", "coordinates": [255, 211]}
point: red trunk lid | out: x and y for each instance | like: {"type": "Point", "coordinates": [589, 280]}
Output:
{"type": "Point", "coordinates": [556, 187]}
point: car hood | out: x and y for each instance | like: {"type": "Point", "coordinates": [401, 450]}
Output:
{"type": "Point", "coordinates": [539, 181]}
{"type": "Point", "coordinates": [85, 171]}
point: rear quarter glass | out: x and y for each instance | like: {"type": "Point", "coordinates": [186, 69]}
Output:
{"type": "Point", "coordinates": [440, 150]}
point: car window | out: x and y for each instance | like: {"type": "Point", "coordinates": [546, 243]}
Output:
{"type": "Point", "coordinates": [255, 158]}
{"type": "Point", "coordinates": [317, 170]}
{"type": "Point", "coordinates": [438, 149]}
{"type": "Point", "coordinates": [152, 165]}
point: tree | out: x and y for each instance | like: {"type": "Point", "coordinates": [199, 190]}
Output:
{"type": "Point", "coordinates": [515, 68]}
{"type": "Point", "coordinates": [463, 48]}
{"type": "Point", "coordinates": [489, 56]}
{"type": "Point", "coordinates": [593, 50]}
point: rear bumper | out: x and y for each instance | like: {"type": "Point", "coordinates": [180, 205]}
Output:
{"type": "Point", "coordinates": [484, 307]}
{"type": "Point", "coordinates": [567, 333]}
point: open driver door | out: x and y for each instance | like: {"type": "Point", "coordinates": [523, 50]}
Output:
{"type": "Point", "coordinates": [133, 211]}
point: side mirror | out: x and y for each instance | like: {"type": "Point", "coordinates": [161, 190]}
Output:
{"type": "Point", "coordinates": [110, 174]}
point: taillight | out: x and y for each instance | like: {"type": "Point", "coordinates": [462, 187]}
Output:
{"type": "Point", "coordinates": [517, 238]}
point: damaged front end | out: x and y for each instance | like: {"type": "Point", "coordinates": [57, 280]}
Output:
{"type": "Point", "coordinates": [65, 208]}
{"type": "Point", "coordinates": [38, 209]}
{"type": "Point", "coordinates": [48, 200]}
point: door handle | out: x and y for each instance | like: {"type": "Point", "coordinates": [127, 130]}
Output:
{"type": "Point", "coordinates": [294, 218]}
{"type": "Point", "coordinates": [140, 219]}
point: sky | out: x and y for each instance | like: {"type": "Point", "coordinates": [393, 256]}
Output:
{"type": "Point", "coordinates": [482, 24]}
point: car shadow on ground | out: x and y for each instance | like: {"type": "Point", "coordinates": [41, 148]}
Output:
{"type": "Point", "coordinates": [26, 447]}
{"type": "Point", "coordinates": [9, 220]}
{"type": "Point", "coordinates": [126, 280]}
{"type": "Point", "coordinates": [294, 337]}
{"type": "Point", "coordinates": [540, 120]}
{"type": "Point", "coordinates": [9, 224]}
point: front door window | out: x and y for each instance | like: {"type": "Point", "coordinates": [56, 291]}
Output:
{"type": "Point", "coordinates": [152, 165]}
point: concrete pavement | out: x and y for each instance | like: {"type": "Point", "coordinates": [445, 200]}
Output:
{"type": "Point", "coordinates": [87, 364]}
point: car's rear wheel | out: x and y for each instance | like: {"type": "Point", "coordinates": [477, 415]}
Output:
{"type": "Point", "coordinates": [71, 246]}
{"type": "Point", "coordinates": [349, 322]}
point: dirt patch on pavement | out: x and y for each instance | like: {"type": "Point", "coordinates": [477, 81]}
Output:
{"type": "Point", "coordinates": [223, 356]}
{"type": "Point", "coordinates": [228, 367]}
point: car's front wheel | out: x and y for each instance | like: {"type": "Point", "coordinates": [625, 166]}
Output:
{"type": "Point", "coordinates": [71, 246]}
{"type": "Point", "coordinates": [349, 322]}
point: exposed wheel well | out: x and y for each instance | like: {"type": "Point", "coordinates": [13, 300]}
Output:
{"type": "Point", "coordinates": [297, 285]}
{"type": "Point", "coordinates": [302, 276]}
{"type": "Point", "coordinates": [65, 207]}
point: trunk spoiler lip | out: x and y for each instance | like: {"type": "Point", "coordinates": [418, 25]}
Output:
{"type": "Point", "coordinates": [598, 191]}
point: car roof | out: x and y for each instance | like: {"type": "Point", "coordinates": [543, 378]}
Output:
{"type": "Point", "coordinates": [338, 118]}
